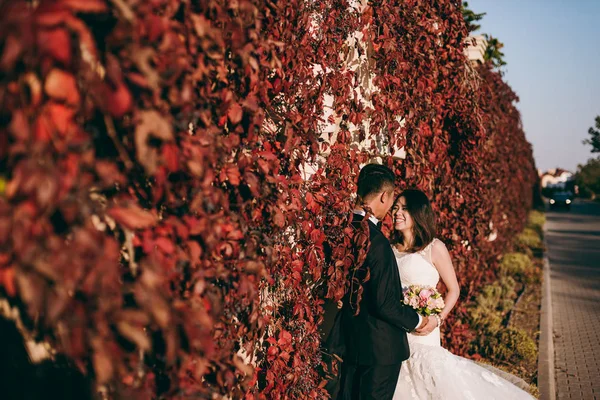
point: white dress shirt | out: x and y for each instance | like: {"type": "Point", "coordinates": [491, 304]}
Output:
{"type": "Point", "coordinates": [371, 218]}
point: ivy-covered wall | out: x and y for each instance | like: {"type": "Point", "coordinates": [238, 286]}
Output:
{"type": "Point", "coordinates": [155, 221]}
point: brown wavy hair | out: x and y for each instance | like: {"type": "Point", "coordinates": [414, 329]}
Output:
{"type": "Point", "coordinates": [424, 225]}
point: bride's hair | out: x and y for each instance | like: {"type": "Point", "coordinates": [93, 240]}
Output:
{"type": "Point", "coordinates": [424, 226]}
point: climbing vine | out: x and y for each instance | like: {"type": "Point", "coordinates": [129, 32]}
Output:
{"type": "Point", "coordinates": [178, 176]}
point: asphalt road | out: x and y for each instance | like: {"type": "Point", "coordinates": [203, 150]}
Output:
{"type": "Point", "coordinates": [573, 241]}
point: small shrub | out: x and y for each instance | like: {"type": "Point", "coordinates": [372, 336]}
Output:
{"type": "Point", "coordinates": [527, 251]}
{"type": "Point", "coordinates": [485, 322]}
{"type": "Point", "coordinates": [508, 346]}
{"type": "Point", "coordinates": [529, 238]}
{"type": "Point", "coordinates": [517, 265]}
{"type": "Point", "coordinates": [512, 346]}
{"type": "Point", "coordinates": [493, 303]}
{"type": "Point", "coordinates": [536, 220]}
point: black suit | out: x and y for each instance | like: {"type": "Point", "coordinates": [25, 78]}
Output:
{"type": "Point", "coordinates": [374, 342]}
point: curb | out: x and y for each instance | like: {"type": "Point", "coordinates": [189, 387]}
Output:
{"type": "Point", "coordinates": [546, 379]}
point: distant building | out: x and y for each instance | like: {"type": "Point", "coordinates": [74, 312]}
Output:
{"type": "Point", "coordinates": [475, 49]}
{"type": "Point", "coordinates": [556, 178]}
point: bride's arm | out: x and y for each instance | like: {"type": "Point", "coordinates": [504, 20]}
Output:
{"type": "Point", "coordinates": [443, 263]}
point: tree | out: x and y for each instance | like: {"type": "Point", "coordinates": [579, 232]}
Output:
{"type": "Point", "coordinates": [471, 17]}
{"type": "Point", "coordinates": [594, 139]}
{"type": "Point", "coordinates": [492, 51]}
{"type": "Point", "coordinates": [588, 176]}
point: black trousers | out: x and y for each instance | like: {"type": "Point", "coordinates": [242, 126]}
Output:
{"type": "Point", "coordinates": [368, 382]}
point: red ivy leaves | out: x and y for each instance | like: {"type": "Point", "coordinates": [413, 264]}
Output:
{"type": "Point", "coordinates": [156, 158]}
{"type": "Point", "coordinates": [133, 217]}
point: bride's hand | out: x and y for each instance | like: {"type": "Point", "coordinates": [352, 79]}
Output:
{"type": "Point", "coordinates": [428, 325]}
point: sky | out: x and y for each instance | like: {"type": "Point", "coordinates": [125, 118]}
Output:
{"type": "Point", "coordinates": [552, 51]}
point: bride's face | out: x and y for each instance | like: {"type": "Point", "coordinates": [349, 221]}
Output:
{"type": "Point", "coordinates": [402, 219]}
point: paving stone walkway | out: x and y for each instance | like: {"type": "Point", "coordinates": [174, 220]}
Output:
{"type": "Point", "coordinates": [573, 240]}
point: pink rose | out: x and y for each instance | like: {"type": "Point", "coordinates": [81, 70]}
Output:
{"type": "Point", "coordinates": [425, 294]}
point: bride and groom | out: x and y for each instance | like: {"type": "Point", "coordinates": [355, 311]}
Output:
{"type": "Point", "coordinates": [389, 351]}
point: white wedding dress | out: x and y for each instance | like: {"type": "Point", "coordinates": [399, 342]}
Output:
{"type": "Point", "coordinates": [432, 372]}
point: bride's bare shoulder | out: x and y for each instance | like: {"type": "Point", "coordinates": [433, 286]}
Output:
{"type": "Point", "coordinates": [439, 253]}
{"type": "Point", "coordinates": [438, 249]}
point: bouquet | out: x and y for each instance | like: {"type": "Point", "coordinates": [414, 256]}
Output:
{"type": "Point", "coordinates": [426, 300]}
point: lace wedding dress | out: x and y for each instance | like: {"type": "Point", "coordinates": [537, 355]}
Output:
{"type": "Point", "coordinates": [432, 372]}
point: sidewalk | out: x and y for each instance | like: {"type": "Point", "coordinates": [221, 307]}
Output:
{"type": "Point", "coordinates": [573, 250]}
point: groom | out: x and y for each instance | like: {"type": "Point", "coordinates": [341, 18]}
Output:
{"type": "Point", "coordinates": [375, 340]}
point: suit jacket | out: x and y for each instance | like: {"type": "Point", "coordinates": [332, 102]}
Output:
{"type": "Point", "coordinates": [377, 335]}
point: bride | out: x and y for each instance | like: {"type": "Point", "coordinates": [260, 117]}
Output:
{"type": "Point", "coordinates": [432, 372]}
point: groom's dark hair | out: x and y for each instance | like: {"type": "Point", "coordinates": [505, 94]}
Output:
{"type": "Point", "coordinates": [373, 179]}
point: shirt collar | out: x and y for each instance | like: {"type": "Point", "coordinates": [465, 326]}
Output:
{"type": "Point", "coordinates": [371, 218]}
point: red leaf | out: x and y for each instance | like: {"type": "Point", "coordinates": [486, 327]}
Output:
{"type": "Point", "coordinates": [233, 174]}
{"type": "Point", "coordinates": [201, 24]}
{"type": "Point", "coordinates": [133, 217]}
{"type": "Point", "coordinates": [12, 51]}
{"type": "Point", "coordinates": [285, 338]}
{"type": "Point", "coordinates": [135, 334]}
{"type": "Point", "coordinates": [103, 366]}
{"type": "Point", "coordinates": [60, 118]}
{"type": "Point", "coordinates": [254, 267]}
{"type": "Point", "coordinates": [109, 173]}
{"type": "Point", "coordinates": [170, 156]}
{"type": "Point", "coordinates": [56, 43]}
{"type": "Point", "coordinates": [61, 85]}
{"type": "Point", "coordinates": [55, 118]}
{"type": "Point", "coordinates": [253, 183]}
{"type": "Point", "coordinates": [7, 280]}
{"type": "Point", "coordinates": [165, 245]}
{"type": "Point", "coordinates": [85, 6]}
{"type": "Point", "coordinates": [156, 26]}
{"type": "Point", "coordinates": [19, 126]}
{"type": "Point", "coordinates": [235, 113]}
{"type": "Point", "coordinates": [278, 217]}
{"type": "Point", "coordinates": [52, 16]}
{"type": "Point", "coordinates": [194, 250]}
{"type": "Point", "coordinates": [235, 235]}
{"type": "Point", "coordinates": [264, 166]}
{"type": "Point", "coordinates": [317, 236]}
{"type": "Point", "coordinates": [119, 101]}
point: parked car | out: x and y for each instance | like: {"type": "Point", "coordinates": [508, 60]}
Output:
{"type": "Point", "coordinates": [561, 199]}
